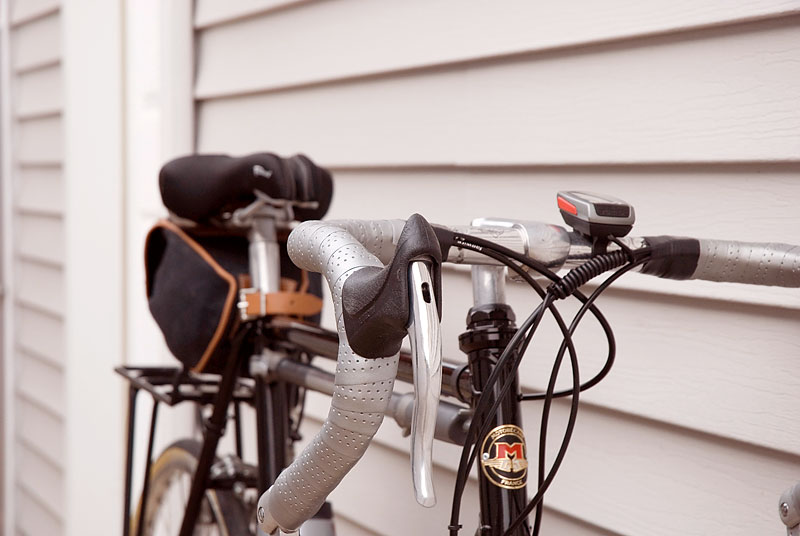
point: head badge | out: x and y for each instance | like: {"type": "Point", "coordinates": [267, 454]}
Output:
{"type": "Point", "coordinates": [504, 457]}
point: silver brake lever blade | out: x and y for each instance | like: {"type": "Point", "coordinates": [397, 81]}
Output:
{"type": "Point", "coordinates": [424, 331]}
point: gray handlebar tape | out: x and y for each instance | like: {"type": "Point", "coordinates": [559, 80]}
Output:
{"type": "Point", "coordinates": [749, 262]}
{"type": "Point", "coordinates": [379, 237]}
{"type": "Point", "coordinates": [752, 263]}
{"type": "Point", "coordinates": [363, 386]}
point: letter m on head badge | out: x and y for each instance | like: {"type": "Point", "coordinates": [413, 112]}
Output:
{"type": "Point", "coordinates": [509, 450]}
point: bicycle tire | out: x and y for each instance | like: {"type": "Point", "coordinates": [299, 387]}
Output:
{"type": "Point", "coordinates": [221, 514]}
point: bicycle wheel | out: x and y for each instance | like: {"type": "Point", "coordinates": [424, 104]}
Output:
{"type": "Point", "coordinates": [222, 513]}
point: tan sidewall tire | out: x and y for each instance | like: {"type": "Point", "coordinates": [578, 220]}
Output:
{"type": "Point", "coordinates": [181, 456]}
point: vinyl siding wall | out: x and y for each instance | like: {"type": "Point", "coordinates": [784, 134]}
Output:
{"type": "Point", "coordinates": [38, 279]}
{"type": "Point", "coordinates": [689, 110]}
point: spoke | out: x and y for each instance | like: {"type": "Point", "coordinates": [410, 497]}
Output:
{"type": "Point", "coordinates": [185, 489]}
{"type": "Point", "coordinates": [174, 508]}
{"type": "Point", "coordinates": [160, 520]}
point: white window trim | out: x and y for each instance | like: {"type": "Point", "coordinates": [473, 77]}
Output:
{"type": "Point", "coordinates": [93, 74]}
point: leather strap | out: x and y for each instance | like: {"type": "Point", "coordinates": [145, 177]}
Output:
{"type": "Point", "coordinates": [283, 303]}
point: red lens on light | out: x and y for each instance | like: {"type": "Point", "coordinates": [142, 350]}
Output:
{"type": "Point", "coordinates": [566, 206]}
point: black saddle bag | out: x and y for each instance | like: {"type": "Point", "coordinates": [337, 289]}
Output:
{"type": "Point", "coordinates": [193, 283]}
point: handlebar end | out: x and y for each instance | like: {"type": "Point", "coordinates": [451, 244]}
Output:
{"type": "Point", "coordinates": [265, 520]}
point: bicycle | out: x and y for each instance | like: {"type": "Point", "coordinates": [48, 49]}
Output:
{"type": "Point", "coordinates": [385, 280]}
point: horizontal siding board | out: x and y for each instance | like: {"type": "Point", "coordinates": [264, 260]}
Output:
{"type": "Point", "coordinates": [557, 522]}
{"type": "Point", "coordinates": [39, 165]}
{"type": "Point", "coordinates": [41, 285]}
{"type": "Point", "coordinates": [351, 527]}
{"type": "Point", "coordinates": [731, 293]}
{"type": "Point", "coordinates": [40, 333]}
{"type": "Point", "coordinates": [40, 189]}
{"type": "Point", "coordinates": [556, 108]}
{"type": "Point", "coordinates": [210, 12]}
{"type": "Point", "coordinates": [620, 473]}
{"type": "Point", "coordinates": [41, 237]}
{"type": "Point", "coordinates": [25, 10]}
{"type": "Point", "coordinates": [40, 381]}
{"type": "Point", "coordinates": [34, 401]}
{"type": "Point", "coordinates": [748, 203]}
{"type": "Point", "coordinates": [301, 46]}
{"type": "Point", "coordinates": [635, 477]}
{"type": "Point", "coordinates": [736, 202]}
{"type": "Point", "coordinates": [40, 430]}
{"type": "Point", "coordinates": [38, 92]}
{"type": "Point", "coordinates": [40, 140]}
{"type": "Point", "coordinates": [36, 44]}
{"type": "Point", "coordinates": [33, 517]}
{"type": "Point", "coordinates": [40, 476]}
{"type": "Point", "coordinates": [655, 472]}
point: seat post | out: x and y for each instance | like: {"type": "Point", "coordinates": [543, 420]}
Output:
{"type": "Point", "coordinates": [264, 254]}
{"type": "Point", "coordinates": [270, 398]}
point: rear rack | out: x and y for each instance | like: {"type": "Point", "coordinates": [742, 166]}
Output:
{"type": "Point", "coordinates": [171, 386]}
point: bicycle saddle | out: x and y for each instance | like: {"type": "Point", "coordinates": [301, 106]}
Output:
{"type": "Point", "coordinates": [202, 186]}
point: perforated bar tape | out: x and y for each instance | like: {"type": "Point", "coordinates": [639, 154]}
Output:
{"type": "Point", "coordinates": [362, 386]}
{"type": "Point", "coordinates": [746, 262]}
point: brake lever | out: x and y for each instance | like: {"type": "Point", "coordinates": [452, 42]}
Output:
{"type": "Point", "coordinates": [424, 331]}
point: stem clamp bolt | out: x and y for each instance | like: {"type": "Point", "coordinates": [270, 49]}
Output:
{"type": "Point", "coordinates": [784, 509]}
{"type": "Point", "coordinates": [261, 514]}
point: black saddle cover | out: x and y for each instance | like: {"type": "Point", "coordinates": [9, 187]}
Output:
{"type": "Point", "coordinates": [203, 186]}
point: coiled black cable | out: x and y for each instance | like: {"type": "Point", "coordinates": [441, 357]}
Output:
{"type": "Point", "coordinates": [579, 276]}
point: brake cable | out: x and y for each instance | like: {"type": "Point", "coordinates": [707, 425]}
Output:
{"type": "Point", "coordinates": [561, 288]}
